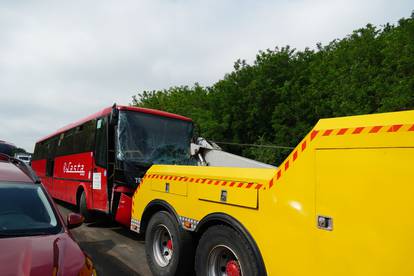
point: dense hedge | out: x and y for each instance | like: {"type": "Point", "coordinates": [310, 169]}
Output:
{"type": "Point", "coordinates": [277, 99]}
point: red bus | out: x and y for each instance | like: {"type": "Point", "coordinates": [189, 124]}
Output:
{"type": "Point", "coordinates": [98, 162]}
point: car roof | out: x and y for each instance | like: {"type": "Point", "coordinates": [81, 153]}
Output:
{"type": "Point", "coordinates": [7, 143]}
{"type": "Point", "coordinates": [11, 172]}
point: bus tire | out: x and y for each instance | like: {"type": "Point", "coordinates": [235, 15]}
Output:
{"type": "Point", "coordinates": [222, 250]}
{"type": "Point", "coordinates": [169, 248]}
{"type": "Point", "coordinates": [83, 209]}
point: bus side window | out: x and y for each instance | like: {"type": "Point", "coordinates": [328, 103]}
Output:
{"type": "Point", "coordinates": [50, 155]}
{"type": "Point", "coordinates": [36, 152]}
{"type": "Point", "coordinates": [41, 152]}
{"type": "Point", "coordinates": [84, 137]}
{"type": "Point", "coordinates": [50, 164]}
{"type": "Point", "coordinates": [101, 148]}
{"type": "Point", "coordinates": [65, 143]}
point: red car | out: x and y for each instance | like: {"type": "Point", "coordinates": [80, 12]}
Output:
{"type": "Point", "coordinates": [34, 239]}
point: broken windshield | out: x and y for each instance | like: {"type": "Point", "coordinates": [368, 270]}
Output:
{"type": "Point", "coordinates": [150, 139]}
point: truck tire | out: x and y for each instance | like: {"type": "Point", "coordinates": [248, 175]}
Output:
{"type": "Point", "coordinates": [224, 251]}
{"type": "Point", "coordinates": [169, 248]}
{"type": "Point", "coordinates": [83, 210]}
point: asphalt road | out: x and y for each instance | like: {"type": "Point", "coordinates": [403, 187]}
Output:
{"type": "Point", "coordinates": [114, 249]}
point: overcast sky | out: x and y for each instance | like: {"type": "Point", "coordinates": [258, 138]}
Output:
{"type": "Point", "coordinates": [63, 60]}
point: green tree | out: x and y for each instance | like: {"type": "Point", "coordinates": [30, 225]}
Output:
{"type": "Point", "coordinates": [277, 99]}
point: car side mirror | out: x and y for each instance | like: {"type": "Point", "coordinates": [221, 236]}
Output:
{"type": "Point", "coordinates": [74, 220]}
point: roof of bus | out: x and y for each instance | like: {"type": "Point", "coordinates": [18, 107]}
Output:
{"type": "Point", "coordinates": [108, 110]}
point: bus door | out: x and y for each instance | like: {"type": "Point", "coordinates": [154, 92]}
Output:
{"type": "Point", "coordinates": [100, 169]}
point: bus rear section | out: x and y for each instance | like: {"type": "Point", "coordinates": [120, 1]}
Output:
{"type": "Point", "coordinates": [98, 162]}
{"type": "Point", "coordinates": [72, 164]}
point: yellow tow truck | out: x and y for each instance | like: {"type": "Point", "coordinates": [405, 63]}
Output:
{"type": "Point", "coordinates": [342, 203]}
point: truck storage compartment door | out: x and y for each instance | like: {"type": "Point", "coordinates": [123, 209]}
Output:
{"type": "Point", "coordinates": [365, 204]}
{"type": "Point", "coordinates": [169, 185]}
{"type": "Point", "coordinates": [246, 197]}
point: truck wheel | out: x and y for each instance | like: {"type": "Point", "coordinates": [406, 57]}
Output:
{"type": "Point", "coordinates": [223, 251]}
{"type": "Point", "coordinates": [83, 209]}
{"type": "Point", "coordinates": [169, 248]}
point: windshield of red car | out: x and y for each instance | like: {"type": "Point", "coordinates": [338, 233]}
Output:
{"type": "Point", "coordinates": [26, 211]}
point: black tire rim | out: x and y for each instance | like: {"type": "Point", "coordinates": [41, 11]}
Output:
{"type": "Point", "coordinates": [162, 246]}
{"type": "Point", "coordinates": [223, 261]}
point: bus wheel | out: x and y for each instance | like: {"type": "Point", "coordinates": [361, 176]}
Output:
{"type": "Point", "coordinates": [83, 209]}
{"type": "Point", "coordinates": [223, 251]}
{"type": "Point", "coordinates": [169, 248]}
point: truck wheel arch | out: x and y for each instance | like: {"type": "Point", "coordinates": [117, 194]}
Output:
{"type": "Point", "coordinates": [222, 218]}
{"type": "Point", "coordinates": [153, 207]}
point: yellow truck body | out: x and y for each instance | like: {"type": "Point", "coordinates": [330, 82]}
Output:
{"type": "Point", "coordinates": [342, 203]}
